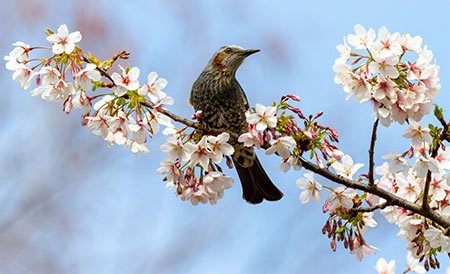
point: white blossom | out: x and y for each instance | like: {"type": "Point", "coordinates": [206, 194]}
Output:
{"type": "Point", "coordinates": [281, 146]}
{"type": "Point", "coordinates": [311, 188]}
{"type": "Point", "coordinates": [265, 117]}
{"type": "Point", "coordinates": [346, 169]}
{"type": "Point", "coordinates": [63, 41]}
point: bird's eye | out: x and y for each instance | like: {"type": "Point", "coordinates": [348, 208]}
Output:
{"type": "Point", "coordinates": [228, 50]}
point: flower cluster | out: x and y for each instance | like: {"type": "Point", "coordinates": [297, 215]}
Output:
{"type": "Point", "coordinates": [281, 134]}
{"type": "Point", "coordinates": [203, 155]}
{"type": "Point", "coordinates": [339, 204]}
{"type": "Point", "coordinates": [113, 117]}
{"type": "Point", "coordinates": [399, 89]}
{"type": "Point", "coordinates": [425, 238]}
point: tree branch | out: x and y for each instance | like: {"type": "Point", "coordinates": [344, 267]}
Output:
{"type": "Point", "coordinates": [371, 152]}
{"type": "Point", "coordinates": [391, 198]}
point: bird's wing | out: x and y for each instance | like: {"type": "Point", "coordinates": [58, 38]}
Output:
{"type": "Point", "coordinates": [244, 97]}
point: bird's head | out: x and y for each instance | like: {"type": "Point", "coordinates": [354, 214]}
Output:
{"type": "Point", "coordinates": [228, 58]}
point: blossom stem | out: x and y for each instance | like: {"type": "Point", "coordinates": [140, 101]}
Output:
{"type": "Point", "coordinates": [371, 152]}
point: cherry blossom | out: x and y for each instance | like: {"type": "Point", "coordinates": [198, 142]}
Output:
{"type": "Point", "coordinates": [50, 76]}
{"type": "Point", "coordinates": [361, 250]}
{"type": "Point", "coordinates": [219, 147]}
{"type": "Point", "coordinates": [362, 39]}
{"type": "Point", "coordinates": [388, 42]}
{"type": "Point", "coordinates": [281, 146]}
{"type": "Point", "coordinates": [136, 147]}
{"type": "Point", "coordinates": [265, 117]}
{"type": "Point", "coordinates": [19, 51]}
{"type": "Point", "coordinates": [84, 76]}
{"type": "Point", "coordinates": [367, 221]}
{"type": "Point", "coordinates": [55, 92]}
{"type": "Point", "coordinates": [344, 51]}
{"type": "Point", "coordinates": [408, 187]}
{"type": "Point", "coordinates": [437, 239]}
{"type": "Point", "coordinates": [199, 153]}
{"type": "Point", "coordinates": [250, 139]}
{"type": "Point", "coordinates": [175, 149]}
{"type": "Point", "coordinates": [340, 196]}
{"type": "Point", "coordinates": [443, 157]}
{"type": "Point", "coordinates": [215, 183]}
{"type": "Point", "coordinates": [311, 188]}
{"type": "Point", "coordinates": [398, 163]}
{"type": "Point", "coordinates": [410, 43]}
{"type": "Point", "coordinates": [439, 186]}
{"type": "Point", "coordinates": [153, 89]}
{"type": "Point", "coordinates": [127, 81]}
{"type": "Point", "coordinates": [346, 169]}
{"type": "Point", "coordinates": [384, 64]}
{"type": "Point", "coordinates": [383, 267]}
{"type": "Point", "coordinates": [286, 164]}
{"type": "Point", "coordinates": [63, 41]}
{"type": "Point", "coordinates": [139, 130]}
{"type": "Point", "coordinates": [422, 166]}
{"type": "Point", "coordinates": [171, 171]}
{"type": "Point", "coordinates": [23, 75]}
{"type": "Point", "coordinates": [418, 134]}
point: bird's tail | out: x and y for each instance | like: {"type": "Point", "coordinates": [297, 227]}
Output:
{"type": "Point", "coordinates": [256, 185]}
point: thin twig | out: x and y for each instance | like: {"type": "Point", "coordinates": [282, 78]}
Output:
{"type": "Point", "coordinates": [426, 188]}
{"type": "Point", "coordinates": [370, 209]}
{"type": "Point", "coordinates": [371, 152]}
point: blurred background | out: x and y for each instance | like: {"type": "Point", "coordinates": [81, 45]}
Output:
{"type": "Point", "coordinates": [70, 204]}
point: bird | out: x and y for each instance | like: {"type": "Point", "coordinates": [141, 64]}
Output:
{"type": "Point", "coordinates": [223, 103]}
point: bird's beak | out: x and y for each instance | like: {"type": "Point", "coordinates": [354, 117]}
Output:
{"type": "Point", "coordinates": [248, 52]}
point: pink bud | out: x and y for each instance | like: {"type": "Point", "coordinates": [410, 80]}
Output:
{"type": "Point", "coordinates": [294, 97]}
{"type": "Point", "coordinates": [325, 207]}
{"type": "Point", "coordinates": [319, 161]}
{"type": "Point", "coordinates": [333, 244]}
{"type": "Point", "coordinates": [38, 79]}
{"type": "Point", "coordinates": [356, 60]}
{"type": "Point", "coordinates": [197, 115]}
{"type": "Point", "coordinates": [293, 109]}
{"type": "Point", "coordinates": [68, 105]}
{"type": "Point", "coordinates": [84, 121]}
{"type": "Point", "coordinates": [411, 152]}
{"type": "Point", "coordinates": [318, 114]}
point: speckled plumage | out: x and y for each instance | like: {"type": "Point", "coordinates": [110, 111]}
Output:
{"type": "Point", "coordinates": [223, 103]}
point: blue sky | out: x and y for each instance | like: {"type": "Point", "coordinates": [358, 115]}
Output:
{"type": "Point", "coordinates": [114, 212]}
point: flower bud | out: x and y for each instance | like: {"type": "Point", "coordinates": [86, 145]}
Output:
{"type": "Point", "coordinates": [67, 107]}
{"type": "Point", "coordinates": [333, 245]}
{"type": "Point", "coordinates": [318, 114]}
{"type": "Point", "coordinates": [294, 97]}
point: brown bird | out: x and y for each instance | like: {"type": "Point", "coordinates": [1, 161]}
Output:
{"type": "Point", "coordinates": [223, 103]}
